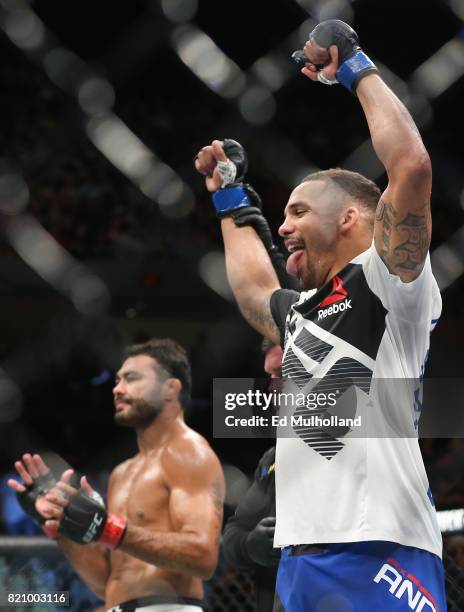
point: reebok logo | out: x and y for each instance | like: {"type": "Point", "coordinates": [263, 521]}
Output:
{"type": "Point", "coordinates": [404, 585]}
{"type": "Point", "coordinates": [345, 305]}
{"type": "Point", "coordinates": [330, 305]}
{"type": "Point", "coordinates": [338, 293]}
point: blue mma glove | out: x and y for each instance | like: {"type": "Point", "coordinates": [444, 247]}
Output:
{"type": "Point", "coordinates": [354, 64]}
{"type": "Point", "coordinates": [234, 193]}
{"type": "Point", "coordinates": [240, 201]}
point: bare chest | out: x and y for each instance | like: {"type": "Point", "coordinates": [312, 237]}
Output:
{"type": "Point", "coordinates": [141, 494]}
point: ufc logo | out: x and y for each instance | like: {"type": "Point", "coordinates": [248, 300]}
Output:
{"type": "Point", "coordinates": [92, 530]}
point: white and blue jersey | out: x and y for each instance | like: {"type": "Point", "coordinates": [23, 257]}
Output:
{"type": "Point", "coordinates": [365, 327]}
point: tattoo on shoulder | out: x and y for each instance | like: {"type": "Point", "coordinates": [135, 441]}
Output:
{"type": "Point", "coordinates": [386, 215]}
{"type": "Point", "coordinates": [413, 250]}
{"type": "Point", "coordinates": [411, 235]}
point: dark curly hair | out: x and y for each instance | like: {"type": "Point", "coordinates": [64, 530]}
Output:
{"type": "Point", "coordinates": [172, 358]}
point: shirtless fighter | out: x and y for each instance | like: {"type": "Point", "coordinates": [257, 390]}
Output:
{"type": "Point", "coordinates": [159, 537]}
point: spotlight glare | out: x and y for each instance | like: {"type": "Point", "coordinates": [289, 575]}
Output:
{"type": "Point", "coordinates": [24, 28]}
{"type": "Point", "coordinates": [96, 95]}
{"type": "Point", "coordinates": [179, 11]}
{"type": "Point", "coordinates": [212, 269]}
{"type": "Point", "coordinates": [204, 58]}
{"type": "Point", "coordinates": [257, 105]}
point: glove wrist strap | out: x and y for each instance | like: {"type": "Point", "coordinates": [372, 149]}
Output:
{"type": "Point", "coordinates": [230, 198]}
{"type": "Point", "coordinates": [113, 533]}
{"type": "Point", "coordinates": [354, 68]}
{"type": "Point", "coordinates": [51, 532]}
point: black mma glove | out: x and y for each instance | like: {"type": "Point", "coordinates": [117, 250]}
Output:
{"type": "Point", "coordinates": [245, 208]}
{"type": "Point", "coordinates": [236, 154]}
{"type": "Point", "coordinates": [354, 64]}
{"type": "Point", "coordinates": [260, 543]}
{"type": "Point", "coordinates": [86, 520]}
{"type": "Point", "coordinates": [28, 498]}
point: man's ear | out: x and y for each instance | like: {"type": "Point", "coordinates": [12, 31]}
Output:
{"type": "Point", "coordinates": [171, 389]}
{"type": "Point", "coordinates": [349, 218]}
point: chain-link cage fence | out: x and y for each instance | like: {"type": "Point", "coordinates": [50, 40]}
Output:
{"type": "Point", "coordinates": [232, 592]}
{"type": "Point", "coordinates": [452, 527]}
{"type": "Point", "coordinates": [35, 564]}
{"type": "Point", "coordinates": [454, 580]}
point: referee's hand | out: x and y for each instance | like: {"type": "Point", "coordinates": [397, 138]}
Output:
{"type": "Point", "coordinates": [260, 543]}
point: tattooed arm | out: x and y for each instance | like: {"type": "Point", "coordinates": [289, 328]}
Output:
{"type": "Point", "coordinates": [251, 276]}
{"type": "Point", "coordinates": [403, 223]}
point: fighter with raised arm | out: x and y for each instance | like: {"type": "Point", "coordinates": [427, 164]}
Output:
{"type": "Point", "coordinates": [158, 538]}
{"type": "Point", "coordinates": [354, 514]}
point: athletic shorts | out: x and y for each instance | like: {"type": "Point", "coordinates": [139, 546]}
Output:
{"type": "Point", "coordinates": [159, 603]}
{"type": "Point", "coordinates": [359, 577]}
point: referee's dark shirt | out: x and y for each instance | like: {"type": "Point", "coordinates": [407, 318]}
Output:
{"type": "Point", "coordinates": [259, 501]}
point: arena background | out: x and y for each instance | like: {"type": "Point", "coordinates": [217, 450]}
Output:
{"type": "Point", "coordinates": [108, 235]}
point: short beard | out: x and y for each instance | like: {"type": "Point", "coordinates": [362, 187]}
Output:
{"type": "Point", "coordinates": [313, 276]}
{"type": "Point", "coordinates": [308, 279]}
{"type": "Point", "coordinates": [140, 414]}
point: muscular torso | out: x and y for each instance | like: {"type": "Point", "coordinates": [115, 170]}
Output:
{"type": "Point", "coordinates": [139, 491]}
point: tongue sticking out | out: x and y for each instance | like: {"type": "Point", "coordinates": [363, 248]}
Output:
{"type": "Point", "coordinates": [293, 262]}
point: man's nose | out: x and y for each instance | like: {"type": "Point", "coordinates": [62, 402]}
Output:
{"type": "Point", "coordinates": [118, 388]}
{"type": "Point", "coordinates": [285, 229]}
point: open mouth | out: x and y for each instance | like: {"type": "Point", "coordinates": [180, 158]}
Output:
{"type": "Point", "coordinates": [295, 247]}
{"type": "Point", "coordinates": [294, 261]}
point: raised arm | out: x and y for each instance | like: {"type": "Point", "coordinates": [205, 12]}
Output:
{"type": "Point", "coordinates": [251, 277]}
{"type": "Point", "coordinates": [403, 220]}
{"type": "Point", "coordinates": [249, 269]}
